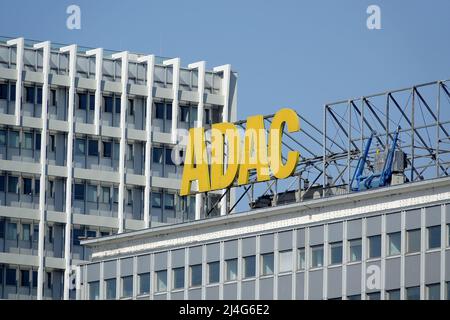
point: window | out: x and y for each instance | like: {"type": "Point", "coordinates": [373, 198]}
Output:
{"type": "Point", "coordinates": [24, 278]}
{"type": "Point", "coordinates": [53, 97]}
{"type": "Point", "coordinates": [393, 294]}
{"type": "Point", "coordinates": [26, 232]}
{"type": "Point", "coordinates": [105, 195]}
{"type": "Point", "coordinates": [355, 249]}
{"type": "Point", "coordinates": [37, 186]}
{"type": "Point", "coordinates": [413, 293]}
{"type": "Point", "coordinates": [91, 102]}
{"type": "Point", "coordinates": [354, 297]}
{"type": "Point", "coordinates": [13, 183]}
{"type": "Point", "coordinates": [118, 102]}
{"type": "Point", "coordinates": [50, 234]}
{"type": "Point", "coordinates": [374, 246]}
{"type": "Point", "coordinates": [2, 137]}
{"type": "Point", "coordinates": [2, 183]}
{"type": "Point", "coordinates": [115, 195]}
{"type": "Point", "coordinates": [317, 256]}
{"type": "Point", "coordinates": [130, 153]}
{"type": "Point", "coordinates": [231, 269]}
{"type": "Point", "coordinates": [285, 261]}
{"type": "Point", "coordinates": [110, 286]}
{"type": "Point", "coordinates": [13, 141]}
{"type": "Point", "coordinates": [38, 141]}
{"type": "Point", "coordinates": [49, 280]}
{"type": "Point", "coordinates": [28, 140]}
{"type": "Point", "coordinates": [3, 91]}
{"type": "Point", "coordinates": [159, 111]}
{"type": "Point", "coordinates": [82, 101]}
{"type": "Point", "coordinates": [35, 232]}
{"type": "Point", "coordinates": [161, 280]}
{"type": "Point", "coordinates": [169, 157]}
{"type": "Point", "coordinates": [413, 241]}
{"type": "Point", "coordinates": [184, 114]}
{"type": "Point", "coordinates": [144, 283]}
{"type": "Point", "coordinates": [267, 264]}
{"type": "Point", "coordinates": [131, 107]}
{"type": "Point", "coordinates": [301, 259]}
{"type": "Point", "coordinates": [129, 197]}
{"type": "Point", "coordinates": [169, 111]}
{"type": "Point", "coordinates": [94, 290]}
{"type": "Point", "coordinates": [107, 148]}
{"type": "Point", "coordinates": [79, 191]}
{"type": "Point", "coordinates": [34, 278]}
{"type": "Point", "coordinates": [39, 95]}
{"type": "Point", "coordinates": [169, 199]}
{"type": "Point", "coordinates": [394, 243]}
{"type": "Point", "coordinates": [12, 93]}
{"type": "Point", "coordinates": [80, 147]}
{"type": "Point", "coordinates": [157, 155]}
{"type": "Point", "coordinates": [11, 277]}
{"type": "Point", "coordinates": [2, 232]}
{"type": "Point", "coordinates": [374, 296]}
{"type": "Point", "coordinates": [51, 184]}
{"type": "Point", "coordinates": [178, 278]}
{"type": "Point", "coordinates": [11, 232]}
{"type": "Point", "coordinates": [207, 116]}
{"type": "Point", "coordinates": [52, 143]}
{"type": "Point", "coordinates": [336, 252]}
{"type": "Point", "coordinates": [196, 275]}
{"type": "Point", "coordinates": [93, 147]}
{"type": "Point", "coordinates": [434, 291]}
{"type": "Point", "coordinates": [156, 200]}
{"type": "Point", "coordinates": [91, 193]}
{"type": "Point", "coordinates": [108, 103]}
{"type": "Point", "coordinates": [249, 266]}
{"type": "Point", "coordinates": [27, 186]}
{"type": "Point", "coordinates": [127, 286]}
{"type": "Point", "coordinates": [434, 237]}
{"type": "Point", "coordinates": [214, 272]}
{"type": "Point", "coordinates": [29, 94]}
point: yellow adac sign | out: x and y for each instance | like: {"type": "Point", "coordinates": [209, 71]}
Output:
{"type": "Point", "coordinates": [231, 157]}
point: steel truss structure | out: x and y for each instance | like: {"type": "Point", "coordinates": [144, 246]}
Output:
{"type": "Point", "coordinates": [328, 157]}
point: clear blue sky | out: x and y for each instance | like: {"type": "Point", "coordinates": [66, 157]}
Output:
{"type": "Point", "coordinates": [298, 54]}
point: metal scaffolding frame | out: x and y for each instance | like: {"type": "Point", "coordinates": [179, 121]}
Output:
{"type": "Point", "coordinates": [328, 157]}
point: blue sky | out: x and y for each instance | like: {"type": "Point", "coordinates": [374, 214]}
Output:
{"type": "Point", "coordinates": [288, 53]}
{"type": "Point", "coordinates": [298, 54]}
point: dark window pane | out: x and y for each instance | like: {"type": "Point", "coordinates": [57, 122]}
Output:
{"type": "Point", "coordinates": [336, 253]}
{"type": "Point", "coordinates": [3, 91]}
{"type": "Point", "coordinates": [82, 101]}
{"type": "Point", "coordinates": [169, 157]}
{"type": "Point", "coordinates": [169, 111]}
{"type": "Point", "coordinates": [375, 247]}
{"type": "Point", "coordinates": [91, 102]}
{"type": "Point", "coordinates": [434, 237]}
{"type": "Point", "coordinates": [169, 202]}
{"type": "Point", "coordinates": [12, 93]}
{"type": "Point", "coordinates": [213, 272]}
{"type": "Point", "coordinates": [413, 293]}
{"type": "Point", "coordinates": [159, 111]}
{"type": "Point", "coordinates": [156, 200]}
{"type": "Point", "coordinates": [110, 289]}
{"type": "Point", "coordinates": [157, 155]}
{"type": "Point", "coordinates": [77, 234]}
{"type": "Point", "coordinates": [249, 266]}
{"type": "Point", "coordinates": [144, 283]}
{"type": "Point", "coordinates": [184, 114]}
{"type": "Point", "coordinates": [37, 186]}
{"type": "Point", "coordinates": [196, 275]}
{"type": "Point", "coordinates": [39, 96]}
{"type": "Point", "coordinates": [108, 101]}
{"type": "Point", "coordinates": [2, 183]}
{"type": "Point", "coordinates": [118, 102]}
{"type": "Point", "coordinates": [127, 286]}
{"type": "Point", "coordinates": [93, 147]}
{"type": "Point", "coordinates": [79, 191]}
{"type": "Point", "coordinates": [24, 278]}
{"type": "Point", "coordinates": [27, 186]}
{"type": "Point", "coordinates": [29, 94]}
{"type": "Point", "coordinates": [38, 141]}
{"type": "Point", "coordinates": [107, 148]}
{"type": "Point", "coordinates": [131, 107]}
{"type": "Point", "coordinates": [11, 277]}
{"type": "Point", "coordinates": [178, 278]}
{"type": "Point", "coordinates": [12, 184]}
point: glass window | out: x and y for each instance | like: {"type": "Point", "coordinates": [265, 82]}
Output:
{"type": "Point", "coordinates": [131, 107]}
{"type": "Point", "coordinates": [3, 91]}
{"type": "Point", "coordinates": [317, 256]}
{"type": "Point", "coordinates": [118, 104]}
{"type": "Point", "coordinates": [10, 277]}
{"type": "Point", "coordinates": [157, 155]}
{"type": "Point", "coordinates": [12, 93]}
{"type": "Point", "coordinates": [413, 293]}
{"type": "Point", "coordinates": [336, 252]}
{"type": "Point", "coordinates": [13, 183]}
{"type": "Point", "coordinates": [159, 111]}
{"type": "Point", "coordinates": [394, 243]}
{"type": "Point", "coordinates": [26, 232]}
{"type": "Point", "coordinates": [29, 94]}
{"type": "Point", "coordinates": [169, 200]}
{"type": "Point", "coordinates": [79, 191]}
{"type": "Point", "coordinates": [214, 272]}
{"type": "Point", "coordinates": [393, 294]}
{"type": "Point", "coordinates": [91, 193]}
{"type": "Point", "coordinates": [184, 114]}
{"type": "Point", "coordinates": [93, 147]}
{"type": "Point", "coordinates": [129, 197]}
{"type": "Point", "coordinates": [168, 111]}
{"type": "Point", "coordinates": [301, 259]}
{"type": "Point", "coordinates": [249, 266]}
{"type": "Point", "coordinates": [38, 141]}
{"type": "Point", "coordinates": [2, 137]}
{"type": "Point", "coordinates": [110, 285]}
{"type": "Point", "coordinates": [178, 278]}
{"type": "Point", "coordinates": [39, 95]}
{"type": "Point", "coordinates": [53, 97]}
{"type": "Point", "coordinates": [434, 291]}
{"type": "Point", "coordinates": [196, 275]}
{"type": "Point", "coordinates": [144, 283]}
{"type": "Point", "coordinates": [354, 297]}
{"type": "Point", "coordinates": [156, 200]}
{"type": "Point", "coordinates": [11, 232]}
{"type": "Point", "coordinates": [2, 183]}
{"type": "Point", "coordinates": [127, 286]}
{"type": "Point", "coordinates": [28, 140]}
{"type": "Point", "coordinates": [94, 290]}
{"type": "Point", "coordinates": [91, 102]}
{"type": "Point", "coordinates": [34, 278]}
{"type": "Point", "coordinates": [107, 148]}
{"type": "Point", "coordinates": [231, 269]}
{"type": "Point", "coordinates": [374, 246]}
{"type": "Point", "coordinates": [169, 157]}
{"type": "Point", "coordinates": [108, 103]}
{"type": "Point", "coordinates": [161, 280]}
{"type": "Point", "coordinates": [434, 237]}
{"type": "Point", "coordinates": [2, 233]}
{"type": "Point", "coordinates": [52, 143]}
{"type": "Point", "coordinates": [267, 264]}
{"type": "Point", "coordinates": [13, 141]}
{"type": "Point", "coordinates": [115, 195]}
{"type": "Point", "coordinates": [355, 247]}
{"type": "Point", "coordinates": [374, 296]}
{"type": "Point", "coordinates": [413, 241]}
{"type": "Point", "coordinates": [49, 280]}
{"type": "Point", "coordinates": [105, 194]}
{"type": "Point", "coordinates": [116, 151]}
{"type": "Point", "coordinates": [24, 278]}
{"type": "Point", "coordinates": [130, 154]}
{"type": "Point", "coordinates": [285, 261]}
{"type": "Point", "coordinates": [35, 232]}
{"type": "Point", "coordinates": [27, 182]}
{"type": "Point", "coordinates": [82, 101]}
